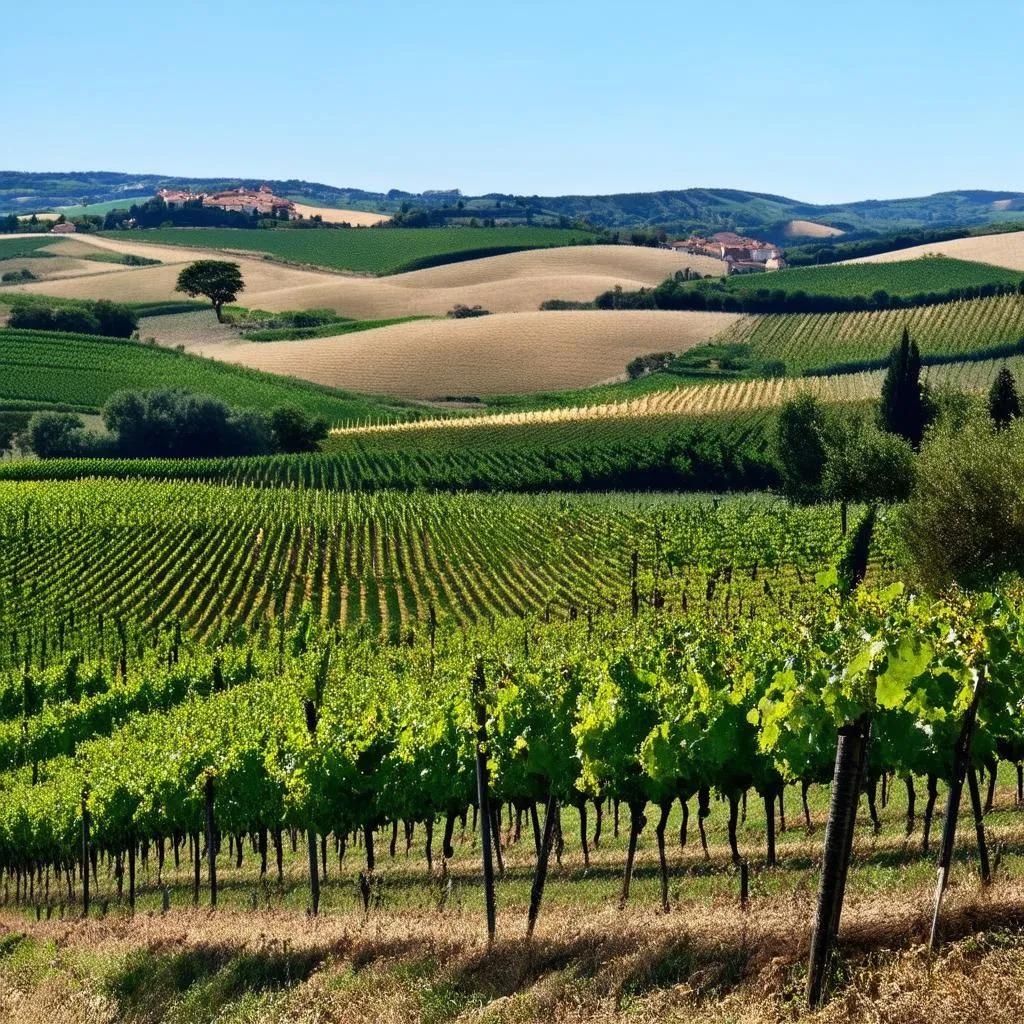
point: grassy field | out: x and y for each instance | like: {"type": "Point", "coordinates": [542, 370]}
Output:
{"type": "Point", "coordinates": [384, 251]}
{"type": "Point", "coordinates": [47, 368]}
{"type": "Point", "coordinates": [904, 278]}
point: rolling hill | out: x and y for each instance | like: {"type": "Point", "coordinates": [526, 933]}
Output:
{"type": "Point", "coordinates": [778, 218]}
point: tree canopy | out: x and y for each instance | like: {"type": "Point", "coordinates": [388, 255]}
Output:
{"type": "Point", "coordinates": [218, 280]}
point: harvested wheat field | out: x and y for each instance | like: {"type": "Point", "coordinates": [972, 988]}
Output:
{"type": "Point", "coordinates": [1003, 250]}
{"type": "Point", "coordinates": [500, 354]}
{"type": "Point", "coordinates": [57, 268]}
{"type": "Point", "coordinates": [329, 215]}
{"type": "Point", "coordinates": [516, 282]}
{"type": "Point", "coordinates": [810, 229]}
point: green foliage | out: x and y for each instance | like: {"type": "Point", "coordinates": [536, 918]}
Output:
{"type": "Point", "coordinates": [17, 276]}
{"type": "Point", "coordinates": [57, 435]}
{"type": "Point", "coordinates": [112, 320]}
{"type": "Point", "coordinates": [799, 448]}
{"type": "Point", "coordinates": [863, 463]}
{"type": "Point", "coordinates": [218, 280]}
{"type": "Point", "coordinates": [1003, 400]}
{"type": "Point", "coordinates": [175, 423]}
{"type": "Point", "coordinates": [964, 522]}
{"type": "Point", "coordinates": [372, 250]}
{"type": "Point", "coordinates": [644, 365]}
{"type": "Point", "coordinates": [903, 410]}
{"type": "Point", "coordinates": [296, 431]}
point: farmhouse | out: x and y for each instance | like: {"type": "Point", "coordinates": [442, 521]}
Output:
{"type": "Point", "coordinates": [64, 228]}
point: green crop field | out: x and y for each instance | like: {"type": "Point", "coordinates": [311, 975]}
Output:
{"type": "Point", "coordinates": [806, 341]}
{"type": "Point", "coordinates": [367, 250]}
{"type": "Point", "coordinates": [17, 245]}
{"type": "Point", "coordinates": [84, 371]}
{"type": "Point", "coordinates": [904, 278]}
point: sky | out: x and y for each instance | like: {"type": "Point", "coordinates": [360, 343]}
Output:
{"type": "Point", "coordinates": [821, 101]}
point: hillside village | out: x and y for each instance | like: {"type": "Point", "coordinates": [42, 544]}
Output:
{"type": "Point", "coordinates": [247, 201]}
{"type": "Point", "coordinates": [743, 255]}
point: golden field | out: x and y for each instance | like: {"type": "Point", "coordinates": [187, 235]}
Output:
{"type": "Point", "coordinates": [516, 282]}
{"type": "Point", "coordinates": [1003, 250]}
{"type": "Point", "coordinates": [330, 215]}
{"type": "Point", "coordinates": [499, 354]}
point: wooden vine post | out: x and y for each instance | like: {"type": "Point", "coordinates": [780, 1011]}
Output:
{"type": "Point", "coordinates": [211, 840]}
{"type": "Point", "coordinates": [483, 798]}
{"type": "Point", "coordinates": [85, 850]}
{"type": "Point", "coordinates": [312, 709]}
{"type": "Point", "coordinates": [851, 750]}
{"type": "Point", "coordinates": [961, 766]}
{"type": "Point", "coordinates": [543, 856]}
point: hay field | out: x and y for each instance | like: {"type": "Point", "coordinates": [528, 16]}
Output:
{"type": "Point", "coordinates": [809, 229]}
{"type": "Point", "coordinates": [1002, 250]}
{"type": "Point", "coordinates": [500, 354]}
{"type": "Point", "coordinates": [329, 215]}
{"type": "Point", "coordinates": [56, 269]}
{"type": "Point", "coordinates": [516, 282]}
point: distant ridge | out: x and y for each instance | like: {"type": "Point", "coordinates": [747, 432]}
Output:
{"type": "Point", "coordinates": [765, 214]}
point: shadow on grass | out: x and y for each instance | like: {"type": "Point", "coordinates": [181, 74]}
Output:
{"type": "Point", "coordinates": [148, 982]}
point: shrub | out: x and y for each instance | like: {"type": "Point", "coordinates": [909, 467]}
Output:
{"type": "Point", "coordinates": [964, 522]}
{"type": "Point", "coordinates": [461, 312]}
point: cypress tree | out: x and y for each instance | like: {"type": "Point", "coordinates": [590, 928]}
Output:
{"type": "Point", "coordinates": [1003, 400]}
{"type": "Point", "coordinates": [903, 409]}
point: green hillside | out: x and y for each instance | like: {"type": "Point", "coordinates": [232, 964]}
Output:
{"type": "Point", "coordinates": [705, 208]}
{"type": "Point", "coordinates": [83, 370]}
{"type": "Point", "coordinates": [370, 250]}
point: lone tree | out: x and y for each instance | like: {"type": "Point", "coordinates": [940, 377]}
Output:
{"type": "Point", "coordinates": [219, 281]}
{"type": "Point", "coordinates": [904, 409]}
{"type": "Point", "coordinates": [1003, 400]}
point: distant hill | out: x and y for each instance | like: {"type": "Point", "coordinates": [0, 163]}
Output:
{"type": "Point", "coordinates": [776, 218]}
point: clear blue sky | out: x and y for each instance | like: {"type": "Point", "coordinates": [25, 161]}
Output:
{"type": "Point", "coordinates": [822, 101]}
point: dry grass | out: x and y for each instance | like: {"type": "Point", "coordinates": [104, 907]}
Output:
{"type": "Point", "coordinates": [699, 963]}
{"type": "Point", "coordinates": [517, 282]}
{"type": "Point", "coordinates": [1004, 250]}
{"type": "Point", "coordinates": [499, 354]}
{"type": "Point", "coordinates": [809, 229]}
{"type": "Point", "coordinates": [329, 215]}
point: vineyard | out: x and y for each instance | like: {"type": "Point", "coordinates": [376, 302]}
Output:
{"type": "Point", "coordinates": [373, 251]}
{"type": "Point", "coordinates": [817, 340]}
{"type": "Point", "coordinates": [142, 765]}
{"type": "Point", "coordinates": [903, 278]}
{"type": "Point", "coordinates": [215, 560]}
{"type": "Point", "coordinates": [84, 370]}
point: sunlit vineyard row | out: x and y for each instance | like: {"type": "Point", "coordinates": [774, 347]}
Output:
{"type": "Point", "coordinates": [813, 340]}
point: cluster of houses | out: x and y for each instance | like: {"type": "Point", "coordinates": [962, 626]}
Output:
{"type": "Point", "coordinates": [744, 255]}
{"type": "Point", "coordinates": [238, 200]}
